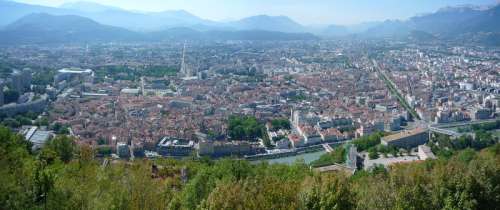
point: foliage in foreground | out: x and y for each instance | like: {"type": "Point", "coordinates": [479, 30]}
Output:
{"type": "Point", "coordinates": [52, 179]}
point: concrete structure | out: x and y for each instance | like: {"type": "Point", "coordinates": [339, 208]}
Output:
{"type": "Point", "coordinates": [335, 168]}
{"type": "Point", "coordinates": [425, 152]}
{"type": "Point", "coordinates": [34, 106]}
{"type": "Point", "coordinates": [282, 144]}
{"type": "Point", "coordinates": [36, 136]}
{"type": "Point", "coordinates": [407, 138]}
{"type": "Point", "coordinates": [20, 80]}
{"type": "Point", "coordinates": [73, 75]}
{"type": "Point", "coordinates": [296, 140]}
{"type": "Point", "coordinates": [220, 149]}
{"type": "Point", "coordinates": [352, 157]}
{"type": "Point", "coordinates": [175, 147]}
{"type": "Point", "coordinates": [483, 113]}
{"type": "Point", "coordinates": [369, 164]}
{"type": "Point", "coordinates": [130, 91]}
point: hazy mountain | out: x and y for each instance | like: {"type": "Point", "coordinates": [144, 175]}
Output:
{"type": "Point", "coordinates": [336, 30]}
{"type": "Point", "coordinates": [268, 23]}
{"type": "Point", "coordinates": [470, 23]}
{"type": "Point", "coordinates": [252, 35]}
{"type": "Point", "coordinates": [487, 21]}
{"type": "Point", "coordinates": [45, 28]}
{"type": "Point", "coordinates": [443, 20]}
{"type": "Point", "coordinates": [11, 11]}
{"type": "Point", "coordinates": [84, 6]}
{"type": "Point", "coordinates": [389, 28]}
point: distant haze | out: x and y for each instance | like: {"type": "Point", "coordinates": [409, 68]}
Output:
{"type": "Point", "coordinates": [310, 12]}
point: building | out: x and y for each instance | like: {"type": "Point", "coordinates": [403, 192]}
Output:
{"type": "Point", "coordinates": [36, 136]}
{"type": "Point", "coordinates": [130, 91]}
{"type": "Point", "coordinates": [425, 152]}
{"type": "Point", "coordinates": [296, 140]}
{"type": "Point", "coordinates": [1, 93]}
{"type": "Point", "coordinates": [34, 106]}
{"type": "Point", "coordinates": [310, 134]}
{"type": "Point", "coordinates": [482, 114]}
{"type": "Point", "coordinates": [122, 149]}
{"type": "Point", "coordinates": [179, 104]}
{"type": "Point", "coordinates": [20, 80]}
{"type": "Point", "coordinates": [175, 147]}
{"type": "Point", "coordinates": [73, 76]}
{"type": "Point", "coordinates": [282, 144]}
{"type": "Point", "coordinates": [352, 157]}
{"type": "Point", "coordinates": [394, 124]}
{"type": "Point", "coordinates": [331, 135]}
{"type": "Point", "coordinates": [407, 138]}
{"type": "Point", "coordinates": [221, 149]}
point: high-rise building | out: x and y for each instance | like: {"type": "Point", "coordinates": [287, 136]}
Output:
{"type": "Point", "coordinates": [20, 80]}
{"type": "Point", "coordinates": [1, 92]}
{"type": "Point", "coordinates": [16, 81]}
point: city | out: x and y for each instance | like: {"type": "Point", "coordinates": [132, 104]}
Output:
{"type": "Point", "coordinates": [339, 108]}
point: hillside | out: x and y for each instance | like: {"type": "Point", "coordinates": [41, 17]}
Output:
{"type": "Point", "coordinates": [65, 176]}
{"type": "Point", "coordinates": [268, 23]}
{"type": "Point", "coordinates": [44, 28]}
{"type": "Point", "coordinates": [461, 23]}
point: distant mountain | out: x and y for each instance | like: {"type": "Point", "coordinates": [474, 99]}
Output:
{"type": "Point", "coordinates": [336, 30]}
{"type": "Point", "coordinates": [487, 21]}
{"type": "Point", "coordinates": [443, 20]}
{"type": "Point", "coordinates": [45, 28]}
{"type": "Point", "coordinates": [84, 6]}
{"type": "Point", "coordinates": [11, 11]}
{"type": "Point", "coordinates": [389, 28]}
{"type": "Point", "coordinates": [268, 23]}
{"type": "Point", "coordinates": [467, 23]}
{"type": "Point", "coordinates": [250, 35]}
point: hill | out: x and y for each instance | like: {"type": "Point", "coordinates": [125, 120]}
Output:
{"type": "Point", "coordinates": [63, 175]}
{"type": "Point", "coordinates": [268, 23]}
{"type": "Point", "coordinates": [460, 23]}
{"type": "Point", "coordinates": [251, 35]}
{"type": "Point", "coordinates": [45, 28]}
{"type": "Point", "coordinates": [143, 21]}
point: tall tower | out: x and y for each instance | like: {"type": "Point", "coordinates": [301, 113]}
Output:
{"type": "Point", "coordinates": [184, 71]}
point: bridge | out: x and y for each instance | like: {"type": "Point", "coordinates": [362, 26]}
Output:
{"type": "Point", "coordinates": [327, 147]}
{"type": "Point", "coordinates": [444, 131]}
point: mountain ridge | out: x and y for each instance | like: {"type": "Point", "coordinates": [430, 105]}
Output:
{"type": "Point", "coordinates": [42, 28]}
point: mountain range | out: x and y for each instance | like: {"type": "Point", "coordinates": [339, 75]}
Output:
{"type": "Point", "coordinates": [43, 28]}
{"type": "Point", "coordinates": [75, 21]}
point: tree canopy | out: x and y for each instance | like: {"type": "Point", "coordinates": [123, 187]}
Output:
{"type": "Point", "coordinates": [53, 179]}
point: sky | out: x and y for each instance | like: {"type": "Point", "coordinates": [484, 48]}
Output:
{"type": "Point", "coordinates": [308, 12]}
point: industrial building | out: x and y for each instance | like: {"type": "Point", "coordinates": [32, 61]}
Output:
{"type": "Point", "coordinates": [407, 138]}
{"type": "Point", "coordinates": [72, 75]}
{"type": "Point", "coordinates": [36, 136]}
{"type": "Point", "coordinates": [175, 147]}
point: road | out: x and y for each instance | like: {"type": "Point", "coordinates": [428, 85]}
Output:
{"type": "Point", "coordinates": [394, 90]}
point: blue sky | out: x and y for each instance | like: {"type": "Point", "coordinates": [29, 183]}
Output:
{"type": "Point", "coordinates": [308, 12]}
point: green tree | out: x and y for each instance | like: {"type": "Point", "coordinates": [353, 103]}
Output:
{"type": "Point", "coordinates": [64, 146]}
{"type": "Point", "coordinates": [327, 192]}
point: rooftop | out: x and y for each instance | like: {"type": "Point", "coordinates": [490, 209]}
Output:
{"type": "Point", "coordinates": [403, 134]}
{"type": "Point", "coordinates": [75, 71]}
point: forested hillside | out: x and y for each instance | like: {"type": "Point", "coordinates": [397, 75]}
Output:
{"type": "Point", "coordinates": [66, 176]}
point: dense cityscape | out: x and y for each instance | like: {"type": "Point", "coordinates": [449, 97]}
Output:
{"type": "Point", "coordinates": [309, 123]}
